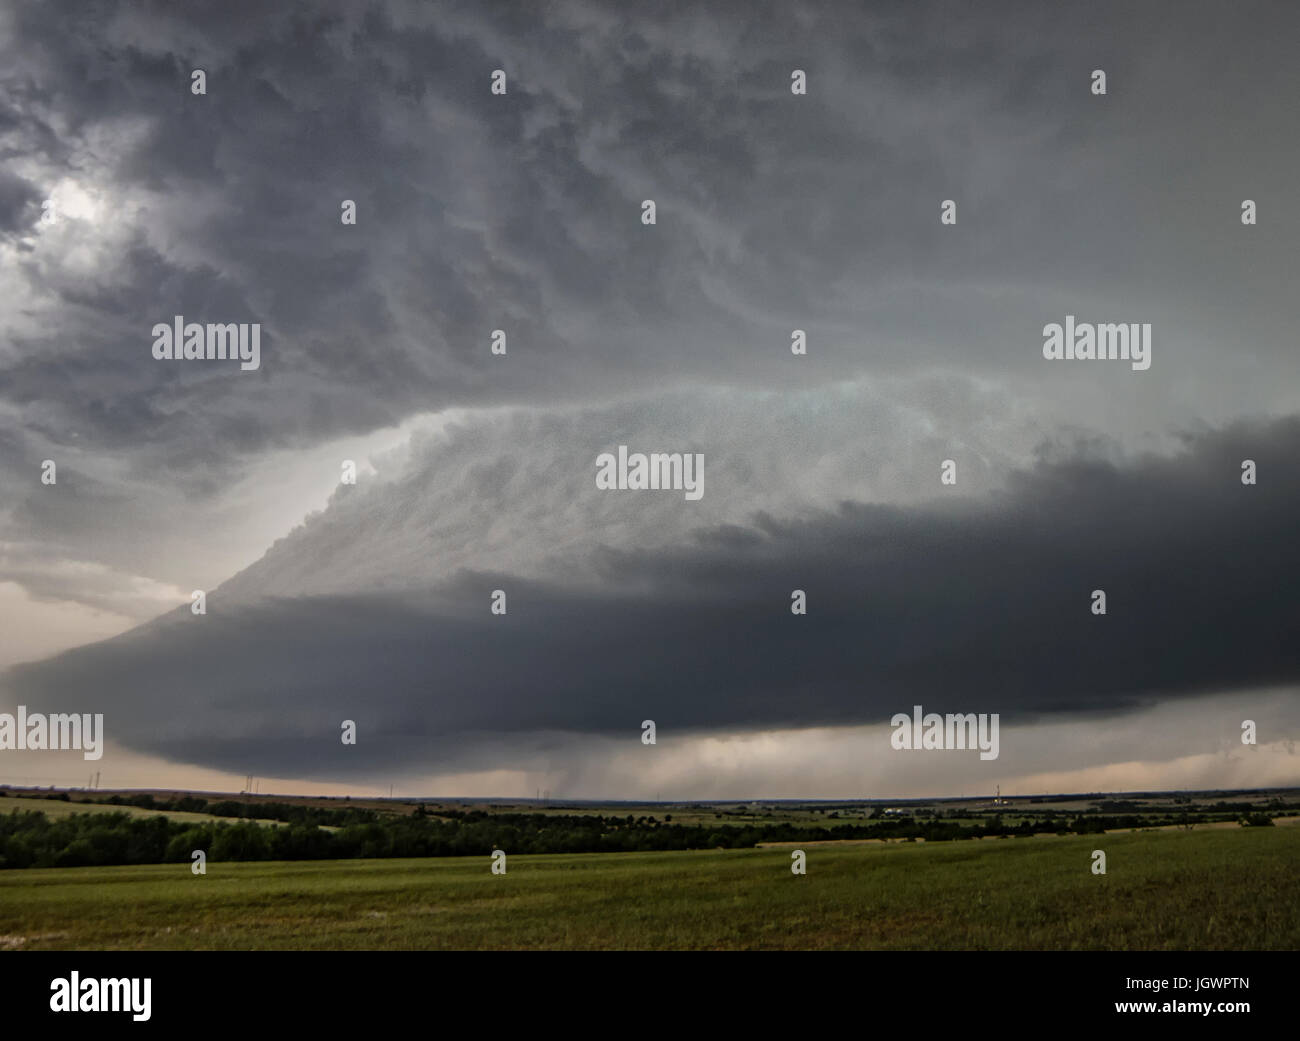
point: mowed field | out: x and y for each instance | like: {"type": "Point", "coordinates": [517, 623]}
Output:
{"type": "Point", "coordinates": [1217, 889]}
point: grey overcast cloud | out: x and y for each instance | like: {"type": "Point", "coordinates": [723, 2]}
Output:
{"type": "Point", "coordinates": [127, 199]}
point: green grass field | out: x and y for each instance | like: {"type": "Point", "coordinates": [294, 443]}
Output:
{"type": "Point", "coordinates": [1218, 889]}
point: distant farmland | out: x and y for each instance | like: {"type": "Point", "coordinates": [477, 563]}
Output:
{"type": "Point", "coordinates": [1235, 888]}
{"type": "Point", "coordinates": [54, 809]}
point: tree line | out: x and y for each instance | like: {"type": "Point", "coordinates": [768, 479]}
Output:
{"type": "Point", "coordinates": [33, 839]}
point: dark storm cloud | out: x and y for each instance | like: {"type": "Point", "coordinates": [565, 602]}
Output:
{"type": "Point", "coordinates": [522, 213]}
{"type": "Point", "coordinates": [19, 203]}
{"type": "Point", "coordinates": [479, 212]}
{"type": "Point", "coordinates": [978, 607]}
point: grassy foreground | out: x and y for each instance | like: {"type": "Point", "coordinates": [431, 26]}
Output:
{"type": "Point", "coordinates": [1218, 889]}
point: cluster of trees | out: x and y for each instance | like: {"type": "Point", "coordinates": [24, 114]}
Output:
{"type": "Point", "coordinates": [31, 839]}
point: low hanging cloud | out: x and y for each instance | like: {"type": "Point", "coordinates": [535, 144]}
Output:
{"type": "Point", "coordinates": [972, 605]}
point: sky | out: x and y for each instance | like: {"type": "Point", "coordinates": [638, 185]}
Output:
{"type": "Point", "coordinates": [775, 211]}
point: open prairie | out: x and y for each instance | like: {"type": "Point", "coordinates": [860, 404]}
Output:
{"type": "Point", "coordinates": [1235, 888]}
